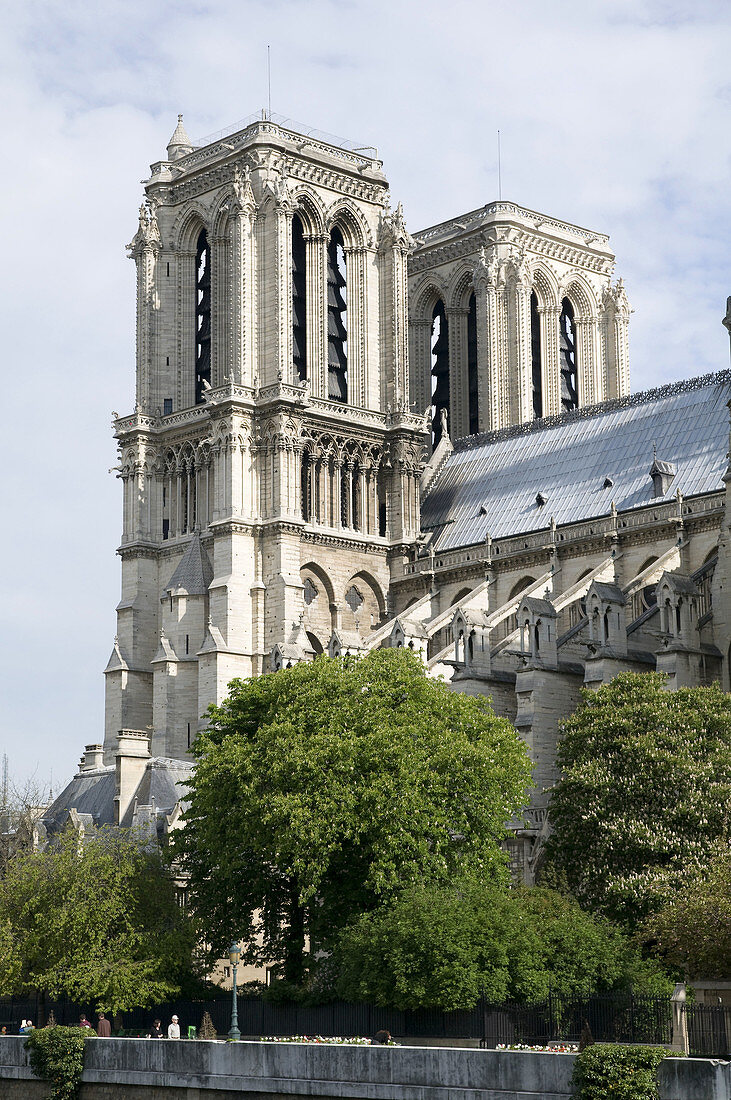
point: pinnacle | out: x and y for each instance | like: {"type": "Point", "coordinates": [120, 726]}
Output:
{"type": "Point", "coordinates": [179, 143]}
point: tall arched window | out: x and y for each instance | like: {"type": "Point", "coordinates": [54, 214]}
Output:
{"type": "Point", "coordinates": [337, 319]}
{"type": "Point", "coordinates": [299, 300]}
{"type": "Point", "coordinates": [439, 370]}
{"type": "Point", "coordinates": [202, 317]}
{"type": "Point", "coordinates": [306, 486]}
{"type": "Point", "coordinates": [535, 355]}
{"type": "Point", "coordinates": [567, 345]}
{"type": "Point", "coordinates": [474, 420]}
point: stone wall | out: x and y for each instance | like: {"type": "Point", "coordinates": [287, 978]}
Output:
{"type": "Point", "coordinates": [139, 1069]}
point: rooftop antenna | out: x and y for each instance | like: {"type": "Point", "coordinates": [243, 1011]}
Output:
{"type": "Point", "coordinates": [269, 81]}
{"type": "Point", "coordinates": [499, 170]}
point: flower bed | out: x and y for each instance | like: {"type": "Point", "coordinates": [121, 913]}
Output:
{"type": "Point", "coordinates": [554, 1048]}
{"type": "Point", "coordinates": [333, 1040]}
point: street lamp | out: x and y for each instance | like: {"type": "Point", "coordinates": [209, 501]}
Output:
{"type": "Point", "coordinates": [234, 955]}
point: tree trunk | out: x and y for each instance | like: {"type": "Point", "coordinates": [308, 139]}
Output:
{"type": "Point", "coordinates": [294, 958]}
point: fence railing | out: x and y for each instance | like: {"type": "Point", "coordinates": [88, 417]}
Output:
{"type": "Point", "coordinates": [620, 1018]}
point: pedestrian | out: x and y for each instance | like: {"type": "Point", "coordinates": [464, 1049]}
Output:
{"type": "Point", "coordinates": [83, 1022]}
{"type": "Point", "coordinates": [381, 1039]}
{"type": "Point", "coordinates": [174, 1028]}
{"type": "Point", "coordinates": [28, 1027]}
{"type": "Point", "coordinates": [156, 1031]}
{"type": "Point", "coordinates": [23, 1026]}
{"type": "Point", "coordinates": [103, 1027]}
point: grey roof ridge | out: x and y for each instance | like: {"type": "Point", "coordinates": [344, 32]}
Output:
{"type": "Point", "coordinates": [670, 389]}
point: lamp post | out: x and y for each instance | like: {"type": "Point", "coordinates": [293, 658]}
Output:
{"type": "Point", "coordinates": [234, 955]}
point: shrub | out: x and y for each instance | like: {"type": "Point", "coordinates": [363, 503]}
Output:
{"type": "Point", "coordinates": [610, 1071]}
{"type": "Point", "coordinates": [57, 1055]}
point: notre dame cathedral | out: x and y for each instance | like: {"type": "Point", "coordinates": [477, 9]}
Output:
{"type": "Point", "coordinates": [345, 436]}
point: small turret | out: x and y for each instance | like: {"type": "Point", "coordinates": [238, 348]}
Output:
{"type": "Point", "coordinates": [180, 144]}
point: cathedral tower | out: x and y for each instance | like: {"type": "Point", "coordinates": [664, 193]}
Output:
{"type": "Point", "coordinates": [271, 465]}
{"type": "Point", "coordinates": [513, 317]}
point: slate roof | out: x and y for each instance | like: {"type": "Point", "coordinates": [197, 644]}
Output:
{"type": "Point", "coordinates": [88, 793]}
{"type": "Point", "coordinates": [159, 785]}
{"type": "Point", "coordinates": [490, 482]}
{"type": "Point", "coordinates": [93, 793]}
{"type": "Point", "coordinates": [194, 572]}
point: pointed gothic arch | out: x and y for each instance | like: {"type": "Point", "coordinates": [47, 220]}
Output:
{"type": "Point", "coordinates": [351, 223]}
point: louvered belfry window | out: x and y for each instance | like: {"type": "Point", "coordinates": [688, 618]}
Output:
{"type": "Point", "coordinates": [439, 369]}
{"type": "Point", "coordinates": [337, 319]}
{"type": "Point", "coordinates": [202, 317]}
{"type": "Point", "coordinates": [535, 354]}
{"type": "Point", "coordinates": [299, 301]}
{"type": "Point", "coordinates": [567, 348]}
{"type": "Point", "coordinates": [474, 421]}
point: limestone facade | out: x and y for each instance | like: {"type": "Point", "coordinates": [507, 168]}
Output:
{"type": "Point", "coordinates": [345, 437]}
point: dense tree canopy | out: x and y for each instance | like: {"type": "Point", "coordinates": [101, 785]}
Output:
{"type": "Point", "coordinates": [444, 946]}
{"type": "Point", "coordinates": [645, 792]}
{"type": "Point", "coordinates": [692, 930]}
{"type": "Point", "coordinates": [323, 790]}
{"type": "Point", "coordinates": [99, 922]}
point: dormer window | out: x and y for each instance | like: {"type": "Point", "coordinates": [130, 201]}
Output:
{"type": "Point", "coordinates": [663, 475]}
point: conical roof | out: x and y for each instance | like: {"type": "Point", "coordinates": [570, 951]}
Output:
{"type": "Point", "coordinates": [179, 144]}
{"type": "Point", "coordinates": [195, 572]}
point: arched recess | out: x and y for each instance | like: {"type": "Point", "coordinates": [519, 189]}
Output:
{"type": "Point", "coordinates": [351, 223]}
{"type": "Point", "coordinates": [519, 587]}
{"type": "Point", "coordinates": [318, 601]}
{"type": "Point", "coordinates": [577, 609]}
{"type": "Point", "coordinates": [315, 643]}
{"type": "Point", "coordinates": [646, 597]}
{"type": "Point", "coordinates": [187, 227]}
{"type": "Point", "coordinates": [363, 605]}
{"type": "Point", "coordinates": [460, 596]}
{"type": "Point", "coordinates": [307, 206]}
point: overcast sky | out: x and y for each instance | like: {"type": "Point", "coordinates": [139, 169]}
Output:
{"type": "Point", "coordinates": [613, 115]}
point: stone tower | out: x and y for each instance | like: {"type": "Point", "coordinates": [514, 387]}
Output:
{"type": "Point", "coordinates": [513, 316]}
{"type": "Point", "coordinates": [271, 465]}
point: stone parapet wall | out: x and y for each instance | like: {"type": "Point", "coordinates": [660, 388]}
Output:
{"type": "Point", "coordinates": [139, 1069]}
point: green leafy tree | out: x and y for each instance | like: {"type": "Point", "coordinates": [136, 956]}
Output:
{"type": "Point", "coordinates": [99, 922]}
{"type": "Point", "coordinates": [9, 959]}
{"type": "Point", "coordinates": [644, 795]}
{"type": "Point", "coordinates": [324, 789]}
{"type": "Point", "coordinates": [692, 931]}
{"type": "Point", "coordinates": [445, 946]}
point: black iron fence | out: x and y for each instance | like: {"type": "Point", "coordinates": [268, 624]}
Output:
{"type": "Point", "coordinates": [620, 1018]}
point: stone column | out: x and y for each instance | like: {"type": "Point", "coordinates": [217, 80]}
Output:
{"type": "Point", "coordinates": [243, 281]}
{"type": "Point", "coordinates": [420, 364]}
{"type": "Point", "coordinates": [458, 387]}
{"type": "Point", "coordinates": [186, 323]}
{"type": "Point", "coordinates": [356, 317]}
{"type": "Point", "coordinates": [551, 360]}
{"type": "Point", "coordinates": [283, 211]}
{"type": "Point", "coordinates": [316, 340]}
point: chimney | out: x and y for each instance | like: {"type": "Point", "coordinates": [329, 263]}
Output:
{"type": "Point", "coordinates": [93, 758]}
{"type": "Point", "coordinates": [133, 752]}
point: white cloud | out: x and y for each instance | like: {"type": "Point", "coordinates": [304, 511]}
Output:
{"type": "Point", "coordinates": [613, 115]}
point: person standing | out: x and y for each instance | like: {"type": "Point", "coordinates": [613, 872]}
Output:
{"type": "Point", "coordinates": [174, 1028]}
{"type": "Point", "coordinates": [103, 1027]}
{"type": "Point", "coordinates": [83, 1022]}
